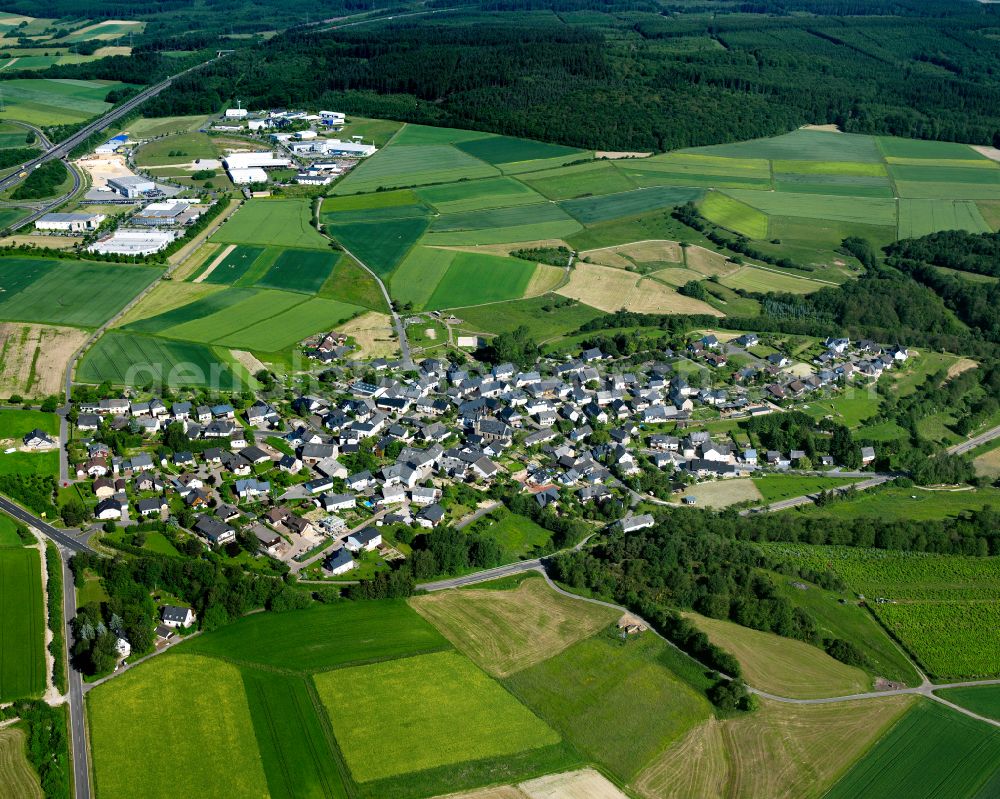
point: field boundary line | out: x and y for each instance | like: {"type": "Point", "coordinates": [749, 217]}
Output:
{"type": "Point", "coordinates": [219, 259]}
{"type": "Point", "coordinates": [326, 725]}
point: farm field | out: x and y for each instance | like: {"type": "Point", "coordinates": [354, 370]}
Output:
{"type": "Point", "coordinates": [23, 370]}
{"type": "Point", "coordinates": [504, 631]}
{"type": "Point", "coordinates": [299, 270]}
{"type": "Point", "coordinates": [610, 289]}
{"type": "Point", "coordinates": [181, 148]}
{"type": "Point", "coordinates": [75, 293]}
{"type": "Point", "coordinates": [775, 488]}
{"type": "Point", "coordinates": [783, 666]}
{"type": "Point", "coordinates": [984, 699]}
{"type": "Point", "coordinates": [908, 503]}
{"type": "Point", "coordinates": [324, 637]}
{"type": "Point", "coordinates": [730, 213]}
{"type": "Point", "coordinates": [22, 625]}
{"type": "Point", "coordinates": [937, 604]}
{"type": "Point", "coordinates": [16, 774]}
{"type": "Point", "coordinates": [437, 697]}
{"type": "Point", "coordinates": [588, 688]}
{"type": "Point", "coordinates": [780, 751]}
{"type": "Point", "coordinates": [473, 279]}
{"type": "Point", "coordinates": [546, 317]}
{"type": "Point", "coordinates": [930, 752]}
{"type": "Point", "coordinates": [276, 223]}
{"type": "Point", "coordinates": [55, 101]}
{"type": "Point", "coordinates": [755, 279]}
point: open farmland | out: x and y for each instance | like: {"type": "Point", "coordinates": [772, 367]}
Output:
{"type": "Point", "coordinates": [936, 605]}
{"type": "Point", "coordinates": [22, 626]}
{"type": "Point", "coordinates": [437, 698]}
{"type": "Point", "coordinates": [981, 699]}
{"type": "Point", "coordinates": [379, 245]}
{"type": "Point", "coordinates": [610, 289]}
{"type": "Point", "coordinates": [586, 690]}
{"type": "Point", "coordinates": [23, 369]}
{"type": "Point", "coordinates": [414, 166]}
{"type": "Point", "coordinates": [299, 270]}
{"type": "Point", "coordinates": [756, 279]}
{"type": "Point", "coordinates": [734, 215]}
{"type": "Point", "coordinates": [208, 737]}
{"type": "Point", "coordinates": [930, 752]}
{"type": "Point", "coordinates": [780, 751]}
{"type": "Point", "coordinates": [276, 223]}
{"type": "Point", "coordinates": [324, 637]}
{"type": "Point", "coordinates": [783, 666]}
{"type": "Point", "coordinates": [74, 293]}
{"type": "Point", "coordinates": [55, 101]}
{"type": "Point", "coordinates": [473, 279]}
{"type": "Point", "coordinates": [504, 631]}
{"type": "Point", "coordinates": [16, 774]}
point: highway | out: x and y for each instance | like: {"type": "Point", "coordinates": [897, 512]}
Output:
{"type": "Point", "coordinates": [975, 441]}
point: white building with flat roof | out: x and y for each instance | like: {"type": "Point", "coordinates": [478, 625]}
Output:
{"type": "Point", "coordinates": [243, 176]}
{"type": "Point", "coordinates": [131, 186]}
{"type": "Point", "coordinates": [134, 241]}
{"type": "Point", "coordinates": [235, 113]}
{"type": "Point", "coordinates": [69, 223]}
{"type": "Point", "coordinates": [248, 160]}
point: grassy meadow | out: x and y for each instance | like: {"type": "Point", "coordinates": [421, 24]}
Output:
{"type": "Point", "coordinates": [22, 625]}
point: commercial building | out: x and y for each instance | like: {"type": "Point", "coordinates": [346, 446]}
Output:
{"type": "Point", "coordinates": [235, 113]}
{"type": "Point", "coordinates": [112, 145]}
{"type": "Point", "coordinates": [168, 213]}
{"type": "Point", "coordinates": [266, 160]}
{"type": "Point", "coordinates": [131, 186]}
{"type": "Point", "coordinates": [243, 176]}
{"type": "Point", "coordinates": [134, 241]}
{"type": "Point", "coordinates": [69, 223]}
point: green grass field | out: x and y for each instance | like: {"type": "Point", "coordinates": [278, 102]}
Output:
{"type": "Point", "coordinates": [579, 180]}
{"type": "Point", "coordinates": [910, 504]}
{"type": "Point", "coordinates": [75, 293]}
{"type": "Point", "coordinates": [15, 422]}
{"type": "Point", "coordinates": [22, 625]}
{"type": "Point", "coordinates": [444, 711]}
{"type": "Point", "coordinates": [587, 690]}
{"type": "Point", "coordinates": [234, 266]}
{"type": "Point", "coordinates": [505, 150]}
{"type": "Point", "coordinates": [324, 637]}
{"type": "Point", "coordinates": [473, 279]}
{"type": "Point", "coordinates": [8, 532]}
{"type": "Point", "coordinates": [499, 218]}
{"type": "Point", "coordinates": [475, 195]}
{"type": "Point", "coordinates": [783, 486]}
{"type": "Point", "coordinates": [420, 273]}
{"type": "Point", "coordinates": [981, 699]}
{"type": "Point", "coordinates": [132, 734]}
{"type": "Point", "coordinates": [272, 223]}
{"type": "Point", "coordinates": [381, 246]}
{"type": "Point", "coordinates": [30, 463]}
{"type": "Point", "coordinates": [588, 210]}
{"type": "Point", "coordinates": [294, 748]}
{"type": "Point", "coordinates": [55, 101]}
{"type": "Point", "coordinates": [863, 210]}
{"type": "Point", "coordinates": [124, 358]}
{"type": "Point", "coordinates": [930, 752]}
{"type": "Point", "coordinates": [734, 215]}
{"type": "Point", "coordinates": [919, 217]}
{"type": "Point", "coordinates": [187, 147]}
{"type": "Point", "coordinates": [544, 316]}
{"type": "Point", "coordinates": [518, 535]}
{"type": "Point", "coordinates": [755, 279]}
{"type": "Point", "coordinates": [801, 145]}
{"type": "Point", "coordinates": [299, 270]}
{"type": "Point", "coordinates": [351, 284]}
{"type": "Point", "coordinates": [397, 166]}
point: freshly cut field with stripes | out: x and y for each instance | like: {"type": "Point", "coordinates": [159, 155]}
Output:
{"type": "Point", "coordinates": [22, 626]}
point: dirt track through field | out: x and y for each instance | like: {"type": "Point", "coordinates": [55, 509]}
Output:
{"type": "Point", "coordinates": [218, 260]}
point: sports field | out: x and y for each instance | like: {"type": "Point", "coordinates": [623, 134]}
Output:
{"type": "Point", "coordinates": [443, 711]}
{"type": "Point", "coordinates": [783, 666]}
{"type": "Point", "coordinates": [588, 689]}
{"type": "Point", "coordinates": [276, 223]}
{"type": "Point", "coordinates": [504, 631]}
{"type": "Point", "coordinates": [74, 293]}
{"type": "Point", "coordinates": [55, 101]}
{"type": "Point", "coordinates": [208, 737]}
{"type": "Point", "coordinates": [325, 636]}
{"type": "Point", "coordinates": [22, 625]}
{"type": "Point", "coordinates": [930, 752]}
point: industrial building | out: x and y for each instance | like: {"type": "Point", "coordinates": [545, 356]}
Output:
{"type": "Point", "coordinates": [242, 177]}
{"type": "Point", "coordinates": [112, 145]}
{"type": "Point", "coordinates": [167, 213]}
{"type": "Point", "coordinates": [69, 223]}
{"type": "Point", "coordinates": [134, 241]}
{"type": "Point", "coordinates": [248, 160]}
{"type": "Point", "coordinates": [132, 186]}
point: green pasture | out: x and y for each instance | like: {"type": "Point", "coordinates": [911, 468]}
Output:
{"type": "Point", "coordinates": [863, 210]}
{"type": "Point", "coordinates": [272, 223]}
{"type": "Point", "coordinates": [55, 101]}
{"type": "Point", "coordinates": [981, 699]}
{"type": "Point", "coordinates": [187, 147]}
{"type": "Point", "coordinates": [132, 734]}
{"type": "Point", "coordinates": [386, 214]}
{"type": "Point", "coordinates": [324, 636]}
{"type": "Point", "coordinates": [815, 239]}
{"type": "Point", "coordinates": [894, 147]}
{"type": "Point", "coordinates": [920, 217]}
{"type": "Point", "coordinates": [774, 488]}
{"type": "Point", "coordinates": [650, 173]}
{"type": "Point", "coordinates": [474, 278]}
{"type": "Point", "coordinates": [8, 532]}
{"type": "Point", "coordinates": [397, 166]}
{"type": "Point", "coordinates": [587, 690]}
{"type": "Point", "coordinates": [61, 292]}
{"type": "Point", "coordinates": [294, 749]}
{"type": "Point", "coordinates": [475, 195]}
{"type": "Point", "coordinates": [424, 135]}
{"type": "Point", "coordinates": [30, 463]}
{"type": "Point", "coordinates": [923, 173]}
{"type": "Point", "coordinates": [535, 231]}
{"type": "Point", "coordinates": [15, 422]}
{"type": "Point", "coordinates": [124, 358]}
{"type": "Point", "coordinates": [505, 149]}
{"type": "Point", "coordinates": [831, 168]}
{"type": "Point", "coordinates": [947, 191]}
{"type": "Point", "coordinates": [488, 218]}
{"type": "Point", "coordinates": [734, 215]}
{"type": "Point", "coordinates": [370, 202]}
{"type": "Point", "coordinates": [852, 408]}
{"type": "Point", "coordinates": [234, 266]}
{"type": "Point", "coordinates": [217, 303]}
{"type": "Point", "coordinates": [160, 126]}
{"type": "Point", "coordinates": [443, 711]}
{"type": "Point", "coordinates": [351, 284]}
{"type": "Point", "coordinates": [546, 317]}
{"type": "Point", "coordinates": [801, 145]}
{"type": "Point", "coordinates": [22, 623]}
{"type": "Point", "coordinates": [916, 504]}
{"type": "Point", "coordinates": [579, 180]}
{"type": "Point", "coordinates": [256, 306]}
{"type": "Point", "coordinates": [299, 270]}
{"type": "Point", "coordinates": [588, 210]}
{"type": "Point", "coordinates": [519, 536]}
{"type": "Point", "coordinates": [420, 273]}
{"type": "Point", "coordinates": [286, 328]}
{"type": "Point", "coordinates": [381, 246]}
{"type": "Point", "coordinates": [755, 279]}
{"type": "Point", "coordinates": [930, 752]}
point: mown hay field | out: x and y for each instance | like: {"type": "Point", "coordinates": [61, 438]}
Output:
{"type": "Point", "coordinates": [443, 711]}
{"type": "Point", "coordinates": [22, 626]}
{"type": "Point", "coordinates": [16, 774]}
{"type": "Point", "coordinates": [783, 666]}
{"type": "Point", "coordinates": [756, 279]}
{"type": "Point", "coordinates": [505, 631]}
{"type": "Point", "coordinates": [130, 742]}
{"type": "Point", "coordinates": [610, 289]}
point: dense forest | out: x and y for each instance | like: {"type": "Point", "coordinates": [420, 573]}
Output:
{"type": "Point", "coordinates": [632, 79]}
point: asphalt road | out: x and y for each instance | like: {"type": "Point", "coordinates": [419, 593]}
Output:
{"type": "Point", "coordinates": [975, 441]}
{"type": "Point", "coordinates": [61, 537]}
{"type": "Point", "coordinates": [77, 716]}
